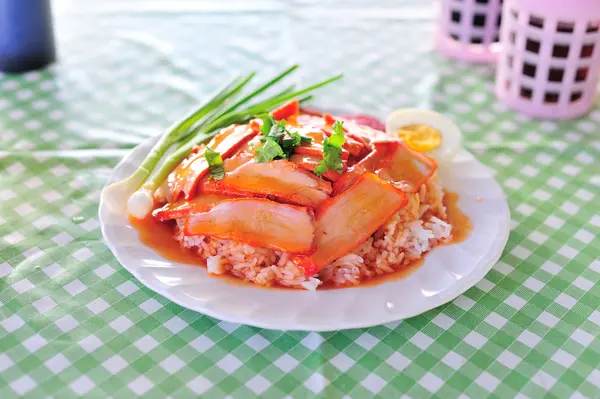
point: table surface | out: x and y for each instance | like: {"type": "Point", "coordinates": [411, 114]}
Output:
{"type": "Point", "coordinates": [73, 322]}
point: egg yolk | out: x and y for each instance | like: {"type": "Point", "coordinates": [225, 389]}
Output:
{"type": "Point", "coordinates": [421, 138]}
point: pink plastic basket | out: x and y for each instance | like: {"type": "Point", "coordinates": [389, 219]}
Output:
{"type": "Point", "coordinates": [467, 29]}
{"type": "Point", "coordinates": [550, 58]}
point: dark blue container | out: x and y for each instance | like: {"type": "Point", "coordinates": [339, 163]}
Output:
{"type": "Point", "coordinates": [26, 36]}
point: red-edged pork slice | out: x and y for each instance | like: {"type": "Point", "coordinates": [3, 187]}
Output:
{"type": "Point", "coordinates": [344, 222]}
{"type": "Point", "coordinates": [315, 147]}
{"type": "Point", "coordinates": [381, 153]}
{"type": "Point", "coordinates": [316, 150]}
{"type": "Point", "coordinates": [289, 110]}
{"type": "Point", "coordinates": [279, 180]}
{"type": "Point", "coordinates": [405, 167]}
{"type": "Point", "coordinates": [242, 156]}
{"type": "Point", "coordinates": [353, 146]}
{"type": "Point", "coordinates": [185, 178]}
{"type": "Point", "coordinates": [181, 209]}
{"type": "Point", "coordinates": [318, 127]}
{"type": "Point", "coordinates": [392, 161]}
{"type": "Point", "coordinates": [316, 136]}
{"type": "Point", "coordinates": [310, 162]}
{"type": "Point", "coordinates": [258, 222]}
{"type": "Point", "coordinates": [348, 178]}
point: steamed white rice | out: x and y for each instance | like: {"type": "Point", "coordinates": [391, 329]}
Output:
{"type": "Point", "coordinates": [406, 237]}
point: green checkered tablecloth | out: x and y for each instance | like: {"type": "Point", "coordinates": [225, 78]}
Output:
{"type": "Point", "coordinates": [74, 323]}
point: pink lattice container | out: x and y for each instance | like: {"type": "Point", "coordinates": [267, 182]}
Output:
{"type": "Point", "coordinates": [550, 58]}
{"type": "Point", "coordinates": [468, 29]}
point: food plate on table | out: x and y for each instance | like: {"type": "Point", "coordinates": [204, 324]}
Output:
{"type": "Point", "coordinates": [277, 216]}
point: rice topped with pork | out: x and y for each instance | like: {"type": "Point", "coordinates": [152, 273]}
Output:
{"type": "Point", "coordinates": [298, 200]}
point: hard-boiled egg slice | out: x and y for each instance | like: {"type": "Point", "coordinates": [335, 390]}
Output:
{"type": "Point", "coordinates": [425, 131]}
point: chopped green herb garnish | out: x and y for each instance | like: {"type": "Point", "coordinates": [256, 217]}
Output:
{"type": "Point", "coordinates": [278, 131]}
{"type": "Point", "coordinates": [267, 124]}
{"type": "Point", "coordinates": [292, 141]}
{"type": "Point", "coordinates": [332, 151]}
{"type": "Point", "coordinates": [272, 133]}
{"type": "Point", "coordinates": [271, 129]}
{"type": "Point", "coordinates": [269, 151]}
{"type": "Point", "coordinates": [279, 142]}
{"type": "Point", "coordinates": [288, 144]}
{"type": "Point", "coordinates": [215, 163]}
{"type": "Point", "coordinates": [320, 169]}
{"type": "Point", "coordinates": [337, 139]}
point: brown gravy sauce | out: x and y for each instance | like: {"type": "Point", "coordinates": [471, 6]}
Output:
{"type": "Point", "coordinates": [159, 236]}
{"type": "Point", "coordinates": [461, 223]}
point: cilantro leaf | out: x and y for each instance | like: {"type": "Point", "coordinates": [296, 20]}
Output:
{"type": "Point", "coordinates": [289, 144]}
{"type": "Point", "coordinates": [332, 158]}
{"type": "Point", "coordinates": [269, 151]}
{"type": "Point", "coordinates": [320, 169]}
{"type": "Point", "coordinates": [267, 124]}
{"type": "Point", "coordinates": [277, 131]}
{"type": "Point", "coordinates": [337, 139]}
{"type": "Point", "coordinates": [271, 129]}
{"type": "Point", "coordinates": [332, 151]}
{"type": "Point", "coordinates": [278, 141]}
{"type": "Point", "coordinates": [215, 163]}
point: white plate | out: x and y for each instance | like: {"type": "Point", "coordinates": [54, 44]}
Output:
{"type": "Point", "coordinates": [447, 272]}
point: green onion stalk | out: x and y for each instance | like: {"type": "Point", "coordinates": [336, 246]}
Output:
{"type": "Point", "coordinates": [199, 126]}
